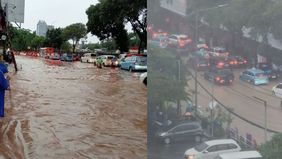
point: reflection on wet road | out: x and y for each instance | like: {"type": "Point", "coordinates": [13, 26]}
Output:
{"type": "Point", "coordinates": [73, 110]}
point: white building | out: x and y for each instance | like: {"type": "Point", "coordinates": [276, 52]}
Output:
{"type": "Point", "coordinates": [41, 28]}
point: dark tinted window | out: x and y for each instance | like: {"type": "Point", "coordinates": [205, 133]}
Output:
{"type": "Point", "coordinates": [232, 146]}
{"type": "Point", "coordinates": [212, 149]}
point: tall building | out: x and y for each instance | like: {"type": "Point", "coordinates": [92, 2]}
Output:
{"type": "Point", "coordinates": [42, 28]}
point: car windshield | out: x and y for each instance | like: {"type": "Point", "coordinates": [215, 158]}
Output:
{"type": "Point", "coordinates": [183, 38]}
{"type": "Point", "coordinates": [201, 147]}
{"type": "Point", "coordinates": [93, 55]}
{"type": "Point", "coordinates": [110, 57]}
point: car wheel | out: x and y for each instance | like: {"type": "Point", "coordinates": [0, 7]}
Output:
{"type": "Point", "coordinates": [197, 139]}
{"type": "Point", "coordinates": [145, 81]}
{"type": "Point", "coordinates": [104, 65]}
{"type": "Point", "coordinates": [167, 140]}
{"type": "Point", "coordinates": [130, 69]}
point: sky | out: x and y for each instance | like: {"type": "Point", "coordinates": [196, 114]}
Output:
{"type": "Point", "coordinates": [59, 13]}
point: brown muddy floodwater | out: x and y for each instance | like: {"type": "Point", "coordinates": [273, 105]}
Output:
{"type": "Point", "coordinates": [61, 110]}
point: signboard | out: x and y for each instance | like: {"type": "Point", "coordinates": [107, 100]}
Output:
{"type": "Point", "coordinates": [14, 10]}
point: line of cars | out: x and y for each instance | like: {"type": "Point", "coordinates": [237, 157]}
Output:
{"type": "Point", "coordinates": [211, 149]}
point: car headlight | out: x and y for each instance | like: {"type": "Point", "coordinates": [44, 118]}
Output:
{"type": "Point", "coordinates": [116, 62]}
{"type": "Point", "coordinates": [163, 134]}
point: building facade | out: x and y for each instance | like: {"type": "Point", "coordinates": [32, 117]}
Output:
{"type": "Point", "coordinates": [41, 28]}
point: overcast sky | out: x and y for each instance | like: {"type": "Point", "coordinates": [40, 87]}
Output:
{"type": "Point", "coordinates": [59, 13]}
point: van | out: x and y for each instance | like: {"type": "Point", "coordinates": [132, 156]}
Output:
{"type": "Point", "coordinates": [88, 57]}
{"type": "Point", "coordinates": [240, 155]}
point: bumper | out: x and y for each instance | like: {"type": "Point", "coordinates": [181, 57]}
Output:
{"type": "Point", "coordinates": [140, 68]}
{"type": "Point", "coordinates": [260, 82]}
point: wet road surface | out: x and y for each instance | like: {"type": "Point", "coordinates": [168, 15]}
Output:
{"type": "Point", "coordinates": [73, 110]}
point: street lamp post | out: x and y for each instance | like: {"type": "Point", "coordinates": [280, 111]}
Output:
{"type": "Point", "coordinates": [265, 117]}
{"type": "Point", "coordinates": [196, 38]}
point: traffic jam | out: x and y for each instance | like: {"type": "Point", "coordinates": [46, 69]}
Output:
{"type": "Point", "coordinates": [130, 61]}
{"type": "Point", "coordinates": [216, 62]}
{"type": "Point", "coordinates": [232, 79]}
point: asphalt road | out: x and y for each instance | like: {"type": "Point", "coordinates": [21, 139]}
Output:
{"type": "Point", "coordinates": [240, 97]}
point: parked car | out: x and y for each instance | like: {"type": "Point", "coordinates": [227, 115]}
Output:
{"type": "Point", "coordinates": [218, 52]}
{"type": "Point", "coordinates": [143, 78]}
{"type": "Point", "coordinates": [183, 131]}
{"type": "Point", "coordinates": [134, 63]}
{"type": "Point", "coordinates": [108, 60]}
{"type": "Point", "coordinates": [219, 62]}
{"type": "Point", "coordinates": [66, 57]}
{"type": "Point", "coordinates": [219, 76]}
{"type": "Point", "coordinates": [240, 155]}
{"type": "Point", "coordinates": [277, 90]}
{"type": "Point", "coordinates": [210, 149]}
{"type": "Point", "coordinates": [179, 41]}
{"type": "Point", "coordinates": [254, 76]}
{"type": "Point", "coordinates": [88, 57]}
{"type": "Point", "coordinates": [268, 70]}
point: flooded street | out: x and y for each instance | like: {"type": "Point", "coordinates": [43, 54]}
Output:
{"type": "Point", "coordinates": [73, 110]}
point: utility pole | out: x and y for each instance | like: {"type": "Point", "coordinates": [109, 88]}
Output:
{"type": "Point", "coordinates": [265, 116]}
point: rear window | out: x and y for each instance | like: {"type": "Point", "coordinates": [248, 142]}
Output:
{"type": "Point", "coordinates": [183, 38]}
{"type": "Point", "coordinates": [110, 57]}
{"type": "Point", "coordinates": [92, 55]}
{"type": "Point", "coordinates": [142, 59]}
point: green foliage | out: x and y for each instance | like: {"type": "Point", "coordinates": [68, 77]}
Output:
{"type": "Point", "coordinates": [107, 18]}
{"type": "Point", "coordinates": [21, 38]}
{"type": "Point", "coordinates": [66, 46]}
{"type": "Point", "coordinates": [164, 83]}
{"type": "Point", "coordinates": [54, 38]}
{"type": "Point", "coordinates": [272, 149]}
{"type": "Point", "coordinates": [37, 42]}
{"type": "Point", "coordinates": [75, 32]}
{"type": "Point", "coordinates": [93, 46]}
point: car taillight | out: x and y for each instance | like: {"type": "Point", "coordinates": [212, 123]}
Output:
{"type": "Point", "coordinates": [220, 64]}
{"type": "Point", "coordinates": [245, 61]}
{"type": "Point", "coordinates": [217, 78]}
{"type": "Point", "coordinates": [165, 34]}
{"type": "Point", "coordinates": [231, 62]}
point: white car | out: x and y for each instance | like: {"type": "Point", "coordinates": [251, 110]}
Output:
{"type": "Point", "coordinates": [240, 155]}
{"type": "Point", "coordinates": [179, 41]}
{"type": "Point", "coordinates": [210, 149]}
{"type": "Point", "coordinates": [143, 78]}
{"type": "Point", "coordinates": [277, 90]}
{"type": "Point", "coordinates": [88, 57]}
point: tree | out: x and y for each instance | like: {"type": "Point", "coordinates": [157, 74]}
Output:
{"type": "Point", "coordinates": [272, 149]}
{"type": "Point", "coordinates": [165, 83]}
{"type": "Point", "coordinates": [107, 18]}
{"type": "Point", "coordinates": [75, 32]}
{"type": "Point", "coordinates": [20, 38]}
{"type": "Point", "coordinates": [37, 42]}
{"type": "Point", "coordinates": [54, 38]}
{"type": "Point", "coordinates": [93, 46]}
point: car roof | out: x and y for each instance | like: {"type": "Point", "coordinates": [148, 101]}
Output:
{"type": "Point", "coordinates": [239, 155]}
{"type": "Point", "coordinates": [220, 141]}
{"type": "Point", "coordinates": [255, 70]}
